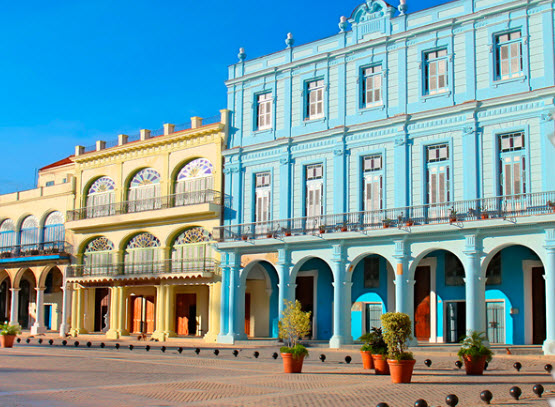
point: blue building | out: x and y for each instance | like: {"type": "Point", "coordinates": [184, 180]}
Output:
{"type": "Point", "coordinates": [405, 163]}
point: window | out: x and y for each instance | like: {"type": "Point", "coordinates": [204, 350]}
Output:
{"type": "Point", "coordinates": [493, 272]}
{"type": "Point", "coordinates": [264, 111]}
{"type": "Point", "coordinates": [454, 270]}
{"type": "Point", "coordinates": [97, 257]}
{"type": "Point", "coordinates": [314, 194]}
{"type": "Point", "coordinates": [435, 80]}
{"type": "Point", "coordinates": [508, 55]}
{"type": "Point", "coordinates": [49, 183]}
{"type": "Point", "coordinates": [437, 157]}
{"type": "Point", "coordinates": [373, 182]}
{"type": "Point", "coordinates": [144, 191]}
{"type": "Point", "coordinates": [100, 198]}
{"type": "Point", "coordinates": [194, 182]}
{"type": "Point", "coordinates": [372, 86]}
{"type": "Point", "coordinates": [192, 251]}
{"type": "Point", "coordinates": [29, 234]}
{"type": "Point", "coordinates": [512, 177]}
{"type": "Point", "coordinates": [262, 196]}
{"type": "Point", "coordinates": [372, 272]}
{"type": "Point", "coordinates": [315, 99]}
{"type": "Point", "coordinates": [142, 253]}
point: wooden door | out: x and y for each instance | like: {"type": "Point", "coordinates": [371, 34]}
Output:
{"type": "Point", "coordinates": [149, 314]}
{"type": "Point", "coordinates": [538, 305]}
{"type": "Point", "coordinates": [184, 320]}
{"type": "Point", "coordinates": [305, 294]}
{"type": "Point", "coordinates": [137, 314]}
{"type": "Point", "coordinates": [422, 303]}
{"type": "Point", "coordinates": [248, 314]}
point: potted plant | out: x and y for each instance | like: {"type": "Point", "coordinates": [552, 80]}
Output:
{"type": "Point", "coordinates": [379, 350]}
{"type": "Point", "coordinates": [7, 334]}
{"type": "Point", "coordinates": [452, 215]}
{"type": "Point", "coordinates": [551, 204]}
{"type": "Point", "coordinates": [343, 227]}
{"type": "Point", "coordinates": [287, 232]}
{"type": "Point", "coordinates": [294, 325]}
{"type": "Point", "coordinates": [397, 331]}
{"type": "Point", "coordinates": [387, 222]}
{"type": "Point", "coordinates": [409, 222]}
{"type": "Point", "coordinates": [366, 354]}
{"type": "Point", "coordinates": [322, 228]}
{"type": "Point", "coordinates": [474, 353]}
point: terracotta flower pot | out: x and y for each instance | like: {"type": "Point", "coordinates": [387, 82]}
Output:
{"type": "Point", "coordinates": [380, 364]}
{"type": "Point", "coordinates": [291, 364]}
{"type": "Point", "coordinates": [367, 360]}
{"type": "Point", "coordinates": [401, 370]}
{"type": "Point", "coordinates": [6, 341]}
{"type": "Point", "coordinates": [484, 216]}
{"type": "Point", "coordinates": [474, 366]}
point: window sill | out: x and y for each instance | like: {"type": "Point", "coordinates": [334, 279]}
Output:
{"type": "Point", "coordinates": [363, 110]}
{"type": "Point", "coordinates": [315, 120]}
{"type": "Point", "coordinates": [442, 94]}
{"type": "Point", "coordinates": [262, 131]}
{"type": "Point", "coordinates": [499, 82]}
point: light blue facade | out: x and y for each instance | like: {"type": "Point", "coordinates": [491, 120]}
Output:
{"type": "Point", "coordinates": [439, 123]}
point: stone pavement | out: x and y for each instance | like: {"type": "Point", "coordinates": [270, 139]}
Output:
{"type": "Point", "coordinates": [44, 375]}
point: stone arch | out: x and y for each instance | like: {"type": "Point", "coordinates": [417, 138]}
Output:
{"type": "Point", "coordinates": [415, 261]}
{"type": "Point", "coordinates": [43, 274]}
{"type": "Point", "coordinates": [487, 258]}
{"type": "Point", "coordinates": [19, 274]}
{"type": "Point", "coordinates": [98, 186]}
{"type": "Point", "coordinates": [186, 168]}
{"type": "Point", "coordinates": [354, 263]}
{"type": "Point", "coordinates": [299, 264]}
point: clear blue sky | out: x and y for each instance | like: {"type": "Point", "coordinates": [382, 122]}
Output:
{"type": "Point", "coordinates": [74, 72]}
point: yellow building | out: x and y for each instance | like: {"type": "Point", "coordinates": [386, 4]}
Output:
{"type": "Point", "coordinates": [34, 251]}
{"type": "Point", "coordinates": [145, 209]}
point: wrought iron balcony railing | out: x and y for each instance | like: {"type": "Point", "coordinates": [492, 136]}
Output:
{"type": "Point", "coordinates": [501, 207]}
{"type": "Point", "coordinates": [163, 202]}
{"type": "Point", "coordinates": [34, 249]}
{"type": "Point", "coordinates": [146, 268]}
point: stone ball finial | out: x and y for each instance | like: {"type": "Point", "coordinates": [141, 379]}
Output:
{"type": "Point", "coordinates": [241, 55]}
{"type": "Point", "coordinates": [403, 7]}
{"type": "Point", "coordinates": [289, 41]}
{"type": "Point", "coordinates": [342, 23]}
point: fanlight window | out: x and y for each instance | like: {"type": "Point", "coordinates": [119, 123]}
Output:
{"type": "Point", "coordinates": [98, 255]}
{"type": "Point", "coordinates": [192, 251]}
{"type": "Point", "coordinates": [53, 228]}
{"type": "Point", "coordinates": [7, 235]}
{"type": "Point", "coordinates": [141, 254]}
{"type": "Point", "coordinates": [29, 233]}
{"type": "Point", "coordinates": [194, 182]}
{"type": "Point", "coordinates": [101, 197]}
{"type": "Point", "coordinates": [144, 191]}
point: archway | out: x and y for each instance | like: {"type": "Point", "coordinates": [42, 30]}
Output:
{"type": "Point", "coordinates": [314, 290]}
{"type": "Point", "coordinates": [53, 298]}
{"type": "Point", "coordinates": [144, 191]}
{"type": "Point", "coordinates": [372, 292]}
{"type": "Point", "coordinates": [27, 299]}
{"type": "Point", "coordinates": [515, 296]}
{"type": "Point", "coordinates": [5, 296]}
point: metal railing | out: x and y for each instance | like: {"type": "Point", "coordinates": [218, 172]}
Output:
{"type": "Point", "coordinates": [500, 207]}
{"type": "Point", "coordinates": [148, 268]}
{"type": "Point", "coordinates": [150, 204]}
{"type": "Point", "coordinates": [34, 249]}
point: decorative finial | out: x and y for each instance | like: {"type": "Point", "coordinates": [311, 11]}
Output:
{"type": "Point", "coordinates": [289, 40]}
{"type": "Point", "coordinates": [342, 23]}
{"type": "Point", "coordinates": [403, 7]}
{"type": "Point", "coordinates": [241, 55]}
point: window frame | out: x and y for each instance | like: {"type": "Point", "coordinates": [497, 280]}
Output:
{"type": "Point", "coordinates": [308, 91]}
{"type": "Point", "coordinates": [364, 76]}
{"type": "Point", "coordinates": [497, 65]}
{"type": "Point", "coordinates": [268, 114]}
{"type": "Point", "coordinates": [427, 63]}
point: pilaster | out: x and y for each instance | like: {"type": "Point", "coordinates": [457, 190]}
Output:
{"type": "Point", "coordinates": [549, 344]}
{"type": "Point", "coordinates": [14, 311]}
{"type": "Point", "coordinates": [475, 286]}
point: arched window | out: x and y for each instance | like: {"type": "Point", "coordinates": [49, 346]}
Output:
{"type": "Point", "coordinates": [98, 256]}
{"type": "Point", "coordinates": [194, 182]}
{"type": "Point", "coordinates": [101, 197]}
{"type": "Point", "coordinates": [7, 235]}
{"type": "Point", "coordinates": [144, 191]}
{"type": "Point", "coordinates": [141, 254]}
{"type": "Point", "coordinates": [54, 232]}
{"type": "Point", "coordinates": [29, 234]}
{"type": "Point", "coordinates": [192, 251]}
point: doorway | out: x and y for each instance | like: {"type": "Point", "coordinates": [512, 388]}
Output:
{"type": "Point", "coordinates": [186, 314]}
{"type": "Point", "coordinates": [248, 314]}
{"type": "Point", "coordinates": [538, 305]}
{"type": "Point", "coordinates": [495, 321]}
{"type": "Point", "coordinates": [422, 303]}
{"type": "Point", "coordinates": [101, 304]}
{"type": "Point", "coordinates": [455, 321]}
{"type": "Point", "coordinates": [142, 314]}
{"type": "Point", "coordinates": [305, 294]}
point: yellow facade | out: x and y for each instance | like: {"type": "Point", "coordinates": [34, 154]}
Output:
{"type": "Point", "coordinates": [176, 290]}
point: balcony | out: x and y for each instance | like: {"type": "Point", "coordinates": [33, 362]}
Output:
{"type": "Point", "coordinates": [198, 203]}
{"type": "Point", "coordinates": [191, 268]}
{"type": "Point", "coordinates": [455, 212]}
{"type": "Point", "coordinates": [34, 252]}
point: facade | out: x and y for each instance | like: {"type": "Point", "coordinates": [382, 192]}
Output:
{"type": "Point", "coordinates": [405, 163]}
{"type": "Point", "coordinates": [34, 251]}
{"type": "Point", "coordinates": [142, 227]}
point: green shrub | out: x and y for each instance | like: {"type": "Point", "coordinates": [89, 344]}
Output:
{"type": "Point", "coordinates": [472, 345]}
{"type": "Point", "coordinates": [397, 331]}
{"type": "Point", "coordinates": [296, 351]}
{"type": "Point", "coordinates": [375, 340]}
{"type": "Point", "coordinates": [7, 329]}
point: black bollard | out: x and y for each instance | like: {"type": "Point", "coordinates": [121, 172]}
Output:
{"type": "Point", "coordinates": [28, 340]}
{"type": "Point", "coordinates": [538, 390]}
{"type": "Point", "coordinates": [348, 359]}
{"type": "Point", "coordinates": [147, 348]}
{"type": "Point", "coordinates": [197, 351]}
{"type": "Point", "coordinates": [117, 346]}
{"type": "Point", "coordinates": [382, 405]}
{"type": "Point", "coordinates": [517, 366]}
{"type": "Point", "coordinates": [163, 349]}
{"type": "Point", "coordinates": [76, 344]}
{"type": "Point", "coordinates": [64, 342]}
{"type": "Point", "coordinates": [50, 342]}
{"type": "Point", "coordinates": [256, 354]}
{"type": "Point", "coordinates": [235, 352]}
{"type": "Point", "coordinates": [102, 345]}
{"type": "Point", "coordinates": [458, 363]}
{"type": "Point", "coordinates": [89, 344]}
{"type": "Point", "coordinates": [216, 352]}
{"type": "Point", "coordinates": [420, 403]}
{"type": "Point", "coordinates": [131, 347]}
{"type": "Point", "coordinates": [548, 368]}
{"type": "Point", "coordinates": [180, 350]}
{"type": "Point", "coordinates": [275, 355]}
{"type": "Point", "coordinates": [486, 396]}
{"type": "Point", "coordinates": [451, 400]}
{"type": "Point", "coordinates": [40, 341]}
{"type": "Point", "coordinates": [428, 362]}
{"type": "Point", "coordinates": [515, 392]}
{"type": "Point", "coordinates": [18, 340]}
{"type": "Point", "coordinates": [486, 366]}
{"type": "Point", "coordinates": [323, 358]}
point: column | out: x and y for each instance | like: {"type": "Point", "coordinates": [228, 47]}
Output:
{"type": "Point", "coordinates": [338, 269]}
{"type": "Point", "coordinates": [112, 333]}
{"type": "Point", "coordinates": [160, 320]}
{"type": "Point", "coordinates": [475, 287]}
{"type": "Point", "coordinates": [234, 290]}
{"type": "Point", "coordinates": [122, 316]}
{"type": "Point", "coordinates": [77, 313]}
{"type": "Point", "coordinates": [404, 283]}
{"type": "Point", "coordinates": [283, 267]}
{"type": "Point", "coordinates": [549, 344]}
{"type": "Point", "coordinates": [14, 311]}
{"type": "Point", "coordinates": [214, 316]}
{"type": "Point", "coordinates": [224, 300]}
{"type": "Point", "coordinates": [169, 311]}
{"type": "Point", "coordinates": [38, 327]}
{"type": "Point", "coordinates": [66, 314]}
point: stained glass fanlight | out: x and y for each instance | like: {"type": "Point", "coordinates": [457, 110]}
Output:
{"type": "Point", "coordinates": [98, 255]}
{"type": "Point", "coordinates": [192, 250]}
{"type": "Point", "coordinates": [145, 177]}
{"type": "Point", "coordinates": [194, 182]}
{"type": "Point", "coordinates": [142, 241]}
{"type": "Point", "coordinates": [100, 244]}
{"type": "Point", "coordinates": [197, 168]}
{"type": "Point", "coordinates": [141, 253]}
{"type": "Point", "coordinates": [193, 235]}
{"type": "Point", "coordinates": [7, 233]}
{"type": "Point", "coordinates": [101, 186]}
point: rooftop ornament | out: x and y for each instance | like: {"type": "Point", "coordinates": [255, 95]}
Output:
{"type": "Point", "coordinates": [403, 7]}
{"type": "Point", "coordinates": [342, 24]}
{"type": "Point", "coordinates": [289, 41]}
{"type": "Point", "coordinates": [241, 55]}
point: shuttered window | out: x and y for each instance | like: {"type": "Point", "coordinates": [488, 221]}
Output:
{"type": "Point", "coordinates": [373, 182]}
{"type": "Point", "coordinates": [264, 111]}
{"type": "Point", "coordinates": [512, 177]}
{"type": "Point", "coordinates": [314, 192]}
{"type": "Point", "coordinates": [263, 195]}
{"type": "Point", "coordinates": [315, 100]}
{"type": "Point", "coordinates": [438, 178]}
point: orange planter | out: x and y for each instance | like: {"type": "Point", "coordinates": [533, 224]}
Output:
{"type": "Point", "coordinates": [6, 341]}
{"type": "Point", "coordinates": [291, 364]}
{"type": "Point", "coordinates": [474, 366]}
{"type": "Point", "coordinates": [380, 364]}
{"type": "Point", "coordinates": [401, 370]}
{"type": "Point", "coordinates": [367, 360]}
